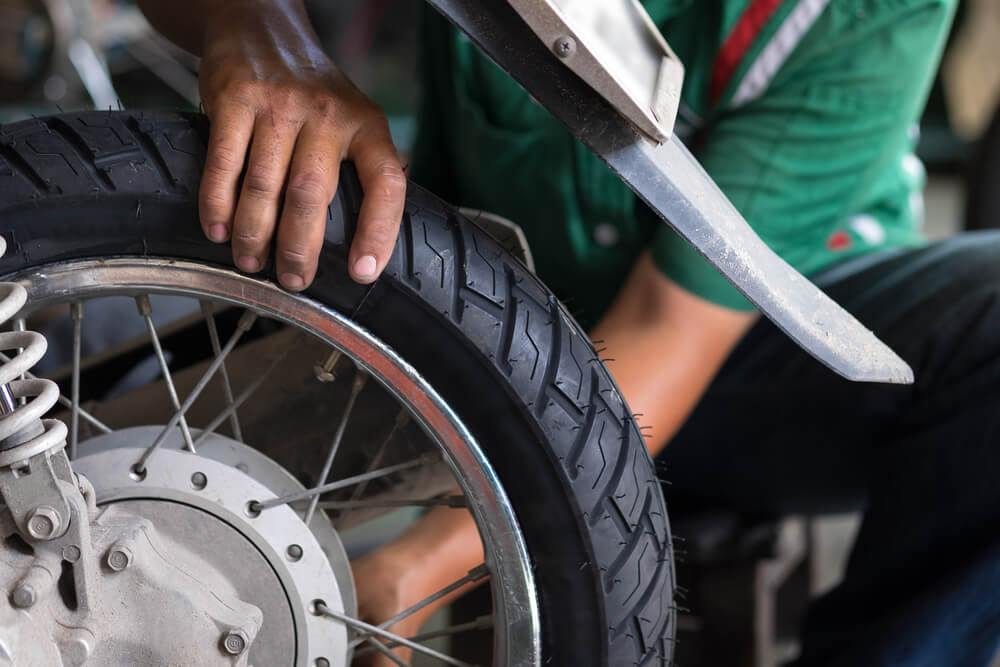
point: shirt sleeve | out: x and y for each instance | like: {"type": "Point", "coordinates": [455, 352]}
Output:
{"type": "Point", "coordinates": [813, 150]}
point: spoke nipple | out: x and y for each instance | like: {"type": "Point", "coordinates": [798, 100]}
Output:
{"type": "Point", "coordinates": [360, 377]}
{"type": "Point", "coordinates": [246, 320]}
{"type": "Point", "coordinates": [144, 306]}
{"type": "Point", "coordinates": [479, 572]}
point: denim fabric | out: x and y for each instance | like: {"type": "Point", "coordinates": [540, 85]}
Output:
{"type": "Point", "coordinates": [779, 433]}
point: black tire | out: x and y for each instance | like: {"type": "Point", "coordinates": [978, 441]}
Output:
{"type": "Point", "coordinates": [983, 181]}
{"type": "Point", "coordinates": [485, 332]}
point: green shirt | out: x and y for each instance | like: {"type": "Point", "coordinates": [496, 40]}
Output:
{"type": "Point", "coordinates": [812, 139]}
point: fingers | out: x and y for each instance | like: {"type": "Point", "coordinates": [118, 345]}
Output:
{"type": "Point", "coordinates": [298, 162]}
{"type": "Point", "coordinates": [384, 185]}
{"type": "Point", "coordinates": [227, 149]}
{"type": "Point", "coordinates": [312, 182]}
{"type": "Point", "coordinates": [259, 201]}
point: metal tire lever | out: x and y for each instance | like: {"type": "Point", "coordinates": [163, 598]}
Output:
{"type": "Point", "coordinates": [671, 182]}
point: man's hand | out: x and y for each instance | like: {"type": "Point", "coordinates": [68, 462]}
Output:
{"type": "Point", "coordinates": [278, 105]}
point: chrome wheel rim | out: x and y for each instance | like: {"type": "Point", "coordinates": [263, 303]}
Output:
{"type": "Point", "coordinates": [516, 614]}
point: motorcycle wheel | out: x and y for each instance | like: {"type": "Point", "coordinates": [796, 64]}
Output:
{"type": "Point", "coordinates": [93, 189]}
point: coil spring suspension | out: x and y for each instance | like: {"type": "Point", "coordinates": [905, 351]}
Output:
{"type": "Point", "coordinates": [23, 402]}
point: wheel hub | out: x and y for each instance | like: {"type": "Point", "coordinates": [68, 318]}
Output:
{"type": "Point", "coordinates": [162, 596]}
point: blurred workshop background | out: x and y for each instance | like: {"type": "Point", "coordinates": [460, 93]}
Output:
{"type": "Point", "coordinates": [71, 54]}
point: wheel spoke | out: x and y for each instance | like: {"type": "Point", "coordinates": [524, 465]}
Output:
{"type": "Point", "coordinates": [66, 402]}
{"type": "Point", "coordinates": [401, 419]}
{"type": "Point", "coordinates": [381, 648]}
{"type": "Point", "coordinates": [227, 388]}
{"type": "Point", "coordinates": [359, 383]}
{"type": "Point", "coordinates": [76, 314]}
{"type": "Point", "coordinates": [146, 310]}
{"type": "Point", "coordinates": [247, 393]}
{"type": "Point", "coordinates": [402, 641]}
{"type": "Point", "coordinates": [457, 502]}
{"type": "Point", "coordinates": [426, 459]}
{"type": "Point", "coordinates": [246, 321]}
{"type": "Point", "coordinates": [476, 574]}
{"type": "Point", "coordinates": [481, 623]}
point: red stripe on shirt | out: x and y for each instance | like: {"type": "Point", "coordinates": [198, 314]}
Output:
{"type": "Point", "coordinates": [742, 37]}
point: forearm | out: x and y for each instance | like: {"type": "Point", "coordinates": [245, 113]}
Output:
{"type": "Point", "coordinates": [667, 346]}
{"type": "Point", "coordinates": [454, 533]}
{"type": "Point", "coordinates": [437, 550]}
{"type": "Point", "coordinates": [191, 23]}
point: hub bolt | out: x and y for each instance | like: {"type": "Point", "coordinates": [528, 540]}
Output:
{"type": "Point", "coordinates": [44, 523]}
{"type": "Point", "coordinates": [24, 596]}
{"type": "Point", "coordinates": [119, 557]}
{"type": "Point", "coordinates": [235, 642]}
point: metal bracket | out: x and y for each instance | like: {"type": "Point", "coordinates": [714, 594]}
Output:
{"type": "Point", "coordinates": [34, 492]}
{"type": "Point", "coordinates": [672, 183]}
{"type": "Point", "coordinates": [617, 50]}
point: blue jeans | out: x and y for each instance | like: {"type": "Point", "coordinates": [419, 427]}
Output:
{"type": "Point", "coordinates": [778, 433]}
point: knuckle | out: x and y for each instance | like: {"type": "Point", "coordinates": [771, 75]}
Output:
{"type": "Point", "coordinates": [248, 242]}
{"type": "Point", "coordinates": [326, 106]}
{"type": "Point", "coordinates": [240, 91]}
{"type": "Point", "coordinates": [390, 180]}
{"type": "Point", "coordinates": [380, 233]}
{"type": "Point", "coordinates": [214, 208]}
{"type": "Point", "coordinates": [260, 183]}
{"type": "Point", "coordinates": [295, 256]}
{"type": "Point", "coordinates": [223, 159]}
{"type": "Point", "coordinates": [307, 194]}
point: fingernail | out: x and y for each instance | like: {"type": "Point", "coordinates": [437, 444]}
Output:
{"type": "Point", "coordinates": [291, 281]}
{"type": "Point", "coordinates": [218, 233]}
{"type": "Point", "coordinates": [365, 267]}
{"type": "Point", "coordinates": [248, 263]}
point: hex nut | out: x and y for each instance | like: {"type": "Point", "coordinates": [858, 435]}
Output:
{"type": "Point", "coordinates": [71, 553]}
{"type": "Point", "coordinates": [44, 523]}
{"type": "Point", "coordinates": [235, 642]}
{"type": "Point", "coordinates": [119, 557]}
